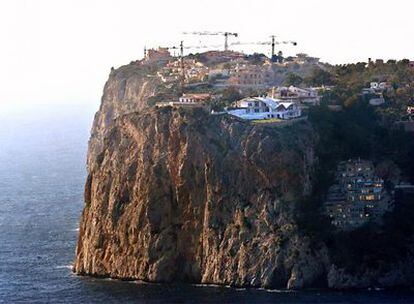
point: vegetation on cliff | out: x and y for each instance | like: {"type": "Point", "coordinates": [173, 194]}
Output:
{"type": "Point", "coordinates": [363, 131]}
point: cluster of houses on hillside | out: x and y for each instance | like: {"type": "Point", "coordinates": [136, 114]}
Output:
{"type": "Point", "coordinates": [222, 69]}
{"type": "Point", "coordinates": [229, 68]}
{"type": "Point", "coordinates": [194, 71]}
{"type": "Point", "coordinates": [219, 70]}
{"type": "Point", "coordinates": [281, 103]}
{"type": "Point", "coordinates": [250, 108]}
{"type": "Point", "coordinates": [358, 195]}
{"type": "Point", "coordinates": [375, 92]}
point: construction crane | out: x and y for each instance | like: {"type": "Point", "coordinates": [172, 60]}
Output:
{"type": "Point", "coordinates": [273, 43]}
{"type": "Point", "coordinates": [181, 48]}
{"type": "Point", "coordinates": [206, 33]}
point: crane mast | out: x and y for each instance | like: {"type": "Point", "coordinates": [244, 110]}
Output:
{"type": "Point", "coordinates": [226, 39]}
{"type": "Point", "coordinates": [272, 43]}
{"type": "Point", "coordinates": [181, 48]}
{"type": "Point", "coordinates": [273, 46]}
{"type": "Point", "coordinates": [182, 65]}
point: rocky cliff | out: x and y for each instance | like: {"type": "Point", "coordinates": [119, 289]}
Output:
{"type": "Point", "coordinates": [181, 195]}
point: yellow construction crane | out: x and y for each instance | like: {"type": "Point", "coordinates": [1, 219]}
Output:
{"type": "Point", "coordinates": [207, 33]}
{"type": "Point", "coordinates": [272, 42]}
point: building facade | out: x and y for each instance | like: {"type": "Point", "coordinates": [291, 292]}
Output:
{"type": "Point", "coordinates": [253, 108]}
{"type": "Point", "coordinates": [248, 75]}
{"type": "Point", "coordinates": [195, 98]}
{"type": "Point", "coordinates": [188, 100]}
{"type": "Point", "coordinates": [194, 71]}
{"type": "Point", "coordinates": [358, 195]}
{"type": "Point", "coordinates": [158, 56]}
{"type": "Point", "coordinates": [306, 96]}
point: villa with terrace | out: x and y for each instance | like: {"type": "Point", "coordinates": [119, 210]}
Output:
{"type": "Point", "coordinates": [253, 108]}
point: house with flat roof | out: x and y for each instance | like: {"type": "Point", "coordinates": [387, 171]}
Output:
{"type": "Point", "coordinates": [307, 96]}
{"type": "Point", "coordinates": [252, 108]}
{"type": "Point", "coordinates": [195, 98]}
{"type": "Point", "coordinates": [188, 100]}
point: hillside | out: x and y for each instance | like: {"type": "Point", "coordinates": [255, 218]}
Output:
{"type": "Point", "coordinates": [181, 195]}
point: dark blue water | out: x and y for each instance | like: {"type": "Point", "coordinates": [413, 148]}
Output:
{"type": "Point", "coordinates": [42, 172]}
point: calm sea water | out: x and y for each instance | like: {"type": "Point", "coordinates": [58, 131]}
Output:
{"type": "Point", "coordinates": [42, 173]}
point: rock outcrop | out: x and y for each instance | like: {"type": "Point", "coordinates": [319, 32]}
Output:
{"type": "Point", "coordinates": [181, 195]}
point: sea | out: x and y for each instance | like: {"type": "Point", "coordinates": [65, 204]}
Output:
{"type": "Point", "coordinates": [42, 174]}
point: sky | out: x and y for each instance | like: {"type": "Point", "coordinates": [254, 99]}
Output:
{"type": "Point", "coordinates": [61, 51]}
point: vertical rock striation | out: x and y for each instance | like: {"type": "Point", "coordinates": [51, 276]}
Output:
{"type": "Point", "coordinates": [182, 195]}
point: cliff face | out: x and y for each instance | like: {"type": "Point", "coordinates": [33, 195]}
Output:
{"type": "Point", "coordinates": [187, 196]}
{"type": "Point", "coordinates": [126, 91]}
{"type": "Point", "coordinates": [180, 195]}
{"type": "Point", "coordinates": [183, 195]}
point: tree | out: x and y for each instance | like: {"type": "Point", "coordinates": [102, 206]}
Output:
{"type": "Point", "coordinates": [350, 101]}
{"type": "Point", "coordinates": [231, 94]}
{"type": "Point", "coordinates": [293, 79]}
{"type": "Point", "coordinates": [256, 58]}
{"type": "Point", "coordinates": [319, 77]}
{"type": "Point", "coordinates": [278, 57]}
{"type": "Point", "coordinates": [217, 105]}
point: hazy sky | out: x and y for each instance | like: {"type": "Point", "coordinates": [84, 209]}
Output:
{"type": "Point", "coordinates": [61, 51]}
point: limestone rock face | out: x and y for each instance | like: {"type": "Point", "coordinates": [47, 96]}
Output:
{"type": "Point", "coordinates": [126, 91]}
{"type": "Point", "coordinates": [177, 194]}
{"type": "Point", "coordinates": [184, 195]}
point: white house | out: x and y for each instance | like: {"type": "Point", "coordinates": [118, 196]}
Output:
{"type": "Point", "coordinates": [300, 92]}
{"type": "Point", "coordinates": [368, 91]}
{"type": "Point", "coordinates": [264, 108]}
{"type": "Point", "coordinates": [380, 86]}
{"type": "Point", "coordinates": [195, 98]}
{"type": "Point", "coordinates": [374, 85]}
{"type": "Point", "coordinates": [188, 101]}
